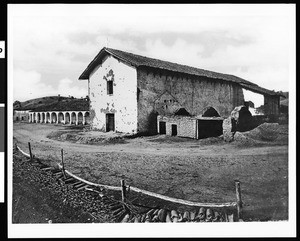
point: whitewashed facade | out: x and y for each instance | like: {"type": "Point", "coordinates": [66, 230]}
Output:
{"type": "Point", "coordinates": [120, 104]}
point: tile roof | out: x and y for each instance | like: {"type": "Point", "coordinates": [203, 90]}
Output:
{"type": "Point", "coordinates": [142, 61]}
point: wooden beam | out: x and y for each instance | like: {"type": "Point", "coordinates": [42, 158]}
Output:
{"type": "Point", "coordinates": [30, 153]}
{"type": "Point", "coordinates": [239, 199]}
{"type": "Point", "coordinates": [62, 162]}
{"type": "Point", "coordinates": [123, 190]}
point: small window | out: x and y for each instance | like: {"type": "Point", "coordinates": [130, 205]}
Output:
{"type": "Point", "coordinates": [109, 87]}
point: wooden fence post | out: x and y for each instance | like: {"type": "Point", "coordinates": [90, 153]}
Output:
{"type": "Point", "coordinates": [31, 158]}
{"type": "Point", "coordinates": [239, 199]}
{"type": "Point", "coordinates": [62, 162]}
{"type": "Point", "coordinates": [123, 190]}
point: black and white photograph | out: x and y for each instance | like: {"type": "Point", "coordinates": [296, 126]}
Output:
{"type": "Point", "coordinates": [151, 120]}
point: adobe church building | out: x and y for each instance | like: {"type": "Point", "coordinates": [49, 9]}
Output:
{"type": "Point", "coordinates": [128, 92]}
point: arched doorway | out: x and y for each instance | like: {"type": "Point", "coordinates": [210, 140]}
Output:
{"type": "Point", "coordinates": [87, 118]}
{"type": "Point", "coordinates": [34, 117]}
{"type": "Point", "coordinates": [43, 117]}
{"type": "Point", "coordinates": [47, 117]}
{"type": "Point", "coordinates": [60, 117]}
{"type": "Point", "coordinates": [80, 118]}
{"type": "Point", "coordinates": [38, 117]}
{"type": "Point", "coordinates": [67, 121]}
{"type": "Point", "coordinates": [73, 118]}
{"type": "Point", "coordinates": [53, 117]}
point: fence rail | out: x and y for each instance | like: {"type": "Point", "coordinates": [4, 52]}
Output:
{"type": "Point", "coordinates": [237, 204]}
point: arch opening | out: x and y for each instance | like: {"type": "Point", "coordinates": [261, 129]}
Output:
{"type": "Point", "coordinates": [73, 118]}
{"type": "Point", "coordinates": [80, 118]}
{"type": "Point", "coordinates": [38, 117]}
{"type": "Point", "coordinates": [53, 117]}
{"type": "Point", "coordinates": [48, 117]}
{"type": "Point", "coordinates": [67, 121]}
{"type": "Point", "coordinates": [42, 117]}
{"type": "Point", "coordinates": [60, 117]}
{"type": "Point", "coordinates": [87, 118]}
{"type": "Point", "coordinates": [210, 112]}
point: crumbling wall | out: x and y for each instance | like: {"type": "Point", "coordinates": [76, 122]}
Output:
{"type": "Point", "coordinates": [123, 101]}
{"type": "Point", "coordinates": [21, 115]}
{"type": "Point", "coordinates": [192, 93]}
{"type": "Point", "coordinates": [271, 105]}
{"type": "Point", "coordinates": [240, 120]}
{"type": "Point", "coordinates": [228, 129]}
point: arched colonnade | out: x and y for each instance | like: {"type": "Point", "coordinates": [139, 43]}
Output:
{"type": "Point", "coordinates": [63, 117]}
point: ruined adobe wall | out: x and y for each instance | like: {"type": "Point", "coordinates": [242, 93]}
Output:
{"type": "Point", "coordinates": [193, 93]}
{"type": "Point", "coordinates": [122, 102]}
{"type": "Point", "coordinates": [186, 126]}
{"type": "Point", "coordinates": [19, 114]}
{"type": "Point", "coordinates": [271, 104]}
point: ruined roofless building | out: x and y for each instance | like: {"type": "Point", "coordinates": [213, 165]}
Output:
{"type": "Point", "coordinates": [127, 91]}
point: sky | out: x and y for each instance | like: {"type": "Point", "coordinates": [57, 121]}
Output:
{"type": "Point", "coordinates": [51, 45]}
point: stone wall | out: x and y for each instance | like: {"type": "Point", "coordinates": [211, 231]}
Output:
{"type": "Point", "coordinates": [240, 120]}
{"type": "Point", "coordinates": [186, 126]}
{"type": "Point", "coordinates": [194, 94]}
{"type": "Point", "coordinates": [271, 105]}
{"type": "Point", "coordinates": [21, 115]}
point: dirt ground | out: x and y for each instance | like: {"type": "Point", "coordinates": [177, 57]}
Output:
{"type": "Point", "coordinates": [195, 170]}
{"type": "Point", "coordinates": [39, 198]}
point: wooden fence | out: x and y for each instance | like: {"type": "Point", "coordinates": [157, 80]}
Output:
{"type": "Point", "coordinates": [125, 188]}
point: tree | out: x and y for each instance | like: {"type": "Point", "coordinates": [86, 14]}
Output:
{"type": "Point", "coordinates": [17, 104]}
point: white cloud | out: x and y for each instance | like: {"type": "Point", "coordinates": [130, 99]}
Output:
{"type": "Point", "coordinates": [66, 87]}
{"type": "Point", "coordinates": [42, 44]}
{"type": "Point", "coordinates": [257, 99]}
{"type": "Point", "coordinates": [29, 85]}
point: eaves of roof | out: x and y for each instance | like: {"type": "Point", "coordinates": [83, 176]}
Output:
{"type": "Point", "coordinates": [142, 61]}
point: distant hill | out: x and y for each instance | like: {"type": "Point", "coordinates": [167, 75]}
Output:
{"type": "Point", "coordinates": [55, 103]}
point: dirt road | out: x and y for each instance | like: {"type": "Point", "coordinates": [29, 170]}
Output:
{"type": "Point", "coordinates": [155, 145]}
{"type": "Point", "coordinates": [196, 170]}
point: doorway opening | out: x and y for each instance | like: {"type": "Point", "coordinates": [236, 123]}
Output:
{"type": "Point", "coordinates": [209, 128]}
{"type": "Point", "coordinates": [174, 130]}
{"type": "Point", "coordinates": [162, 127]}
{"type": "Point", "coordinates": [110, 122]}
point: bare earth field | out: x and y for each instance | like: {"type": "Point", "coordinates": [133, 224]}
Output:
{"type": "Point", "coordinates": [195, 170]}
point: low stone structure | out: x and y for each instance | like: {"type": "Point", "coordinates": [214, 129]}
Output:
{"type": "Point", "coordinates": [188, 126]}
{"type": "Point", "coordinates": [64, 117]}
{"type": "Point", "coordinates": [183, 126]}
{"type": "Point", "coordinates": [21, 115]}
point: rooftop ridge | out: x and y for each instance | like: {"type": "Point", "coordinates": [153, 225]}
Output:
{"type": "Point", "coordinates": [140, 61]}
